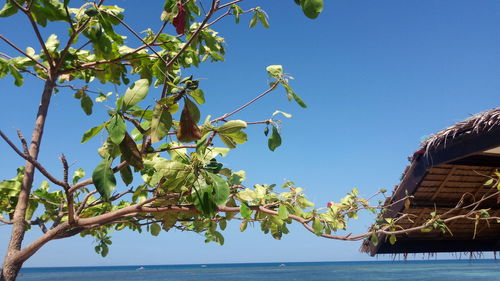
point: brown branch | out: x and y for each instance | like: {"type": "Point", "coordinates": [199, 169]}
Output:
{"type": "Point", "coordinates": [31, 249]}
{"type": "Point", "coordinates": [227, 13]}
{"type": "Point", "coordinates": [6, 221]}
{"type": "Point", "coordinates": [173, 148]}
{"type": "Point", "coordinates": [135, 123]}
{"type": "Point", "coordinates": [259, 122]}
{"type": "Point", "coordinates": [22, 52]}
{"type": "Point", "coordinates": [229, 4]}
{"type": "Point", "coordinates": [273, 86]}
{"type": "Point", "coordinates": [32, 160]}
{"type": "Point", "coordinates": [50, 60]}
{"type": "Point", "coordinates": [23, 142]}
{"type": "Point", "coordinates": [90, 65]}
{"type": "Point", "coordinates": [138, 36]}
{"type": "Point", "coordinates": [85, 199]}
{"type": "Point", "coordinates": [65, 170]}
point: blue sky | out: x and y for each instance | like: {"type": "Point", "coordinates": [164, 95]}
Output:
{"type": "Point", "coordinates": [377, 76]}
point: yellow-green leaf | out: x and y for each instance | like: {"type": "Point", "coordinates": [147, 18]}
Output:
{"type": "Point", "coordinates": [135, 93]}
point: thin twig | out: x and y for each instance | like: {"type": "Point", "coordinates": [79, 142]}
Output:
{"type": "Point", "coordinates": [273, 86]}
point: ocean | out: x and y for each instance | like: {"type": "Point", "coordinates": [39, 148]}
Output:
{"type": "Point", "coordinates": [446, 270]}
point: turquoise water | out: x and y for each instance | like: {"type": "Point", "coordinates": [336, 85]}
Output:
{"type": "Point", "coordinates": [370, 271]}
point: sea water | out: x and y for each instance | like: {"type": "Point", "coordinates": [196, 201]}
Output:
{"type": "Point", "coordinates": [317, 271]}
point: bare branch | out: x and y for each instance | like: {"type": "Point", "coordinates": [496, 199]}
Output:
{"type": "Point", "coordinates": [273, 86]}
{"type": "Point", "coordinates": [32, 161]}
{"type": "Point", "coordinates": [138, 36]}
{"type": "Point", "coordinates": [22, 52]}
{"type": "Point", "coordinates": [84, 202]}
{"type": "Point", "coordinates": [50, 60]}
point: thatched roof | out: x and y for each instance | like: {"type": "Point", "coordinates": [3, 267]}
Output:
{"type": "Point", "coordinates": [451, 163]}
{"type": "Point", "coordinates": [472, 126]}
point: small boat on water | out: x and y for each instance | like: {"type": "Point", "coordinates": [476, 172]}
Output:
{"type": "Point", "coordinates": [203, 265]}
{"type": "Point", "coordinates": [140, 268]}
{"type": "Point", "coordinates": [282, 265]}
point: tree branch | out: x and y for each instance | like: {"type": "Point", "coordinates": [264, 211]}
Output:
{"type": "Point", "coordinates": [22, 52]}
{"type": "Point", "coordinates": [33, 161]}
{"type": "Point", "coordinates": [273, 86]}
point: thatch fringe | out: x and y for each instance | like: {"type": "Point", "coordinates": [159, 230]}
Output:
{"type": "Point", "coordinates": [474, 125]}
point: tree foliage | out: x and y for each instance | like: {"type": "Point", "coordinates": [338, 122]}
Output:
{"type": "Point", "coordinates": [160, 164]}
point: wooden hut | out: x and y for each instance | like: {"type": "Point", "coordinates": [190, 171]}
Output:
{"type": "Point", "coordinates": [451, 167]}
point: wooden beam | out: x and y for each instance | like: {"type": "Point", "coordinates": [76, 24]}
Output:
{"type": "Point", "coordinates": [441, 245]}
{"type": "Point", "coordinates": [481, 187]}
{"type": "Point", "coordinates": [445, 181]}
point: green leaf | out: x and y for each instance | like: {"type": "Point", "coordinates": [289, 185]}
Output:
{"type": "Point", "coordinates": [228, 141]}
{"type": "Point", "coordinates": [155, 229]}
{"type": "Point", "coordinates": [105, 250]}
{"type": "Point", "coordinates": [221, 189]}
{"type": "Point", "coordinates": [238, 137]}
{"type": "Point", "coordinates": [116, 129]}
{"type": "Point", "coordinates": [130, 152]}
{"type": "Point", "coordinates": [198, 96]}
{"type": "Point", "coordinates": [274, 140]}
{"type": "Point", "coordinates": [8, 9]}
{"type": "Point", "coordinates": [219, 238]}
{"type": "Point", "coordinates": [109, 150]}
{"type": "Point", "coordinates": [317, 226]}
{"type": "Point", "coordinates": [18, 78]}
{"type": "Point", "coordinates": [312, 8]}
{"type": "Point", "coordinates": [92, 132]}
{"type": "Point", "coordinates": [263, 19]}
{"type": "Point", "coordinates": [161, 122]}
{"type": "Point", "coordinates": [374, 239]}
{"type": "Point", "coordinates": [52, 43]}
{"type": "Point", "coordinates": [232, 126]}
{"type": "Point", "coordinates": [253, 21]}
{"type": "Point", "coordinates": [223, 224]}
{"type": "Point", "coordinates": [247, 195]}
{"type": "Point", "coordinates": [282, 212]}
{"type": "Point", "coordinates": [299, 101]}
{"type": "Point", "coordinates": [287, 115]}
{"type": "Point", "coordinates": [236, 12]}
{"type": "Point", "coordinates": [245, 211]}
{"type": "Point", "coordinates": [392, 239]}
{"type": "Point", "coordinates": [77, 175]}
{"type": "Point", "coordinates": [32, 206]}
{"type": "Point", "coordinates": [86, 104]}
{"type": "Point", "coordinates": [135, 93]}
{"type": "Point", "coordinates": [102, 97]}
{"type": "Point", "coordinates": [243, 225]}
{"type": "Point", "coordinates": [104, 179]}
{"type": "Point", "coordinates": [126, 175]}
{"type": "Point", "coordinates": [489, 182]}
{"type": "Point", "coordinates": [275, 71]}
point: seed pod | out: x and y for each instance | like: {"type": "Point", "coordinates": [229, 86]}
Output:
{"type": "Point", "coordinates": [188, 131]}
{"type": "Point", "coordinates": [180, 20]}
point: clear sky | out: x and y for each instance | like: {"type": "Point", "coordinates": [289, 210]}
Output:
{"type": "Point", "coordinates": [377, 76]}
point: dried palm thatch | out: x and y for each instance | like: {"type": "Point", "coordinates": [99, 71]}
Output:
{"type": "Point", "coordinates": [472, 126]}
{"type": "Point", "coordinates": [451, 163]}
